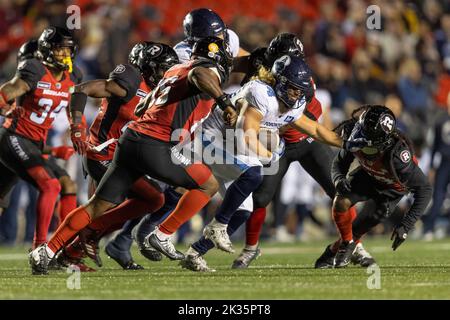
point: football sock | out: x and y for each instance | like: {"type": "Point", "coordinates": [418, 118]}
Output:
{"type": "Point", "coordinates": [68, 204]}
{"type": "Point", "coordinates": [74, 222]}
{"type": "Point", "coordinates": [254, 226]}
{"type": "Point", "coordinates": [343, 221]}
{"type": "Point", "coordinates": [190, 203]}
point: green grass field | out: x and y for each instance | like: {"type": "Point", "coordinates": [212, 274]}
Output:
{"type": "Point", "coordinates": [418, 270]}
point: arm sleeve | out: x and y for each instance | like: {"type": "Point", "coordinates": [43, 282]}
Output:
{"type": "Point", "coordinates": [76, 75]}
{"type": "Point", "coordinates": [128, 78]}
{"type": "Point", "coordinates": [30, 71]}
{"type": "Point", "coordinates": [341, 165]}
{"type": "Point", "coordinates": [417, 183]}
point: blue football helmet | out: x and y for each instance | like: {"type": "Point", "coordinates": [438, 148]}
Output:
{"type": "Point", "coordinates": [292, 72]}
{"type": "Point", "coordinates": [201, 23]}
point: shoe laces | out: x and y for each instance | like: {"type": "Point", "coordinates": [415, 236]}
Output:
{"type": "Point", "coordinates": [246, 255]}
{"type": "Point", "coordinates": [362, 252]}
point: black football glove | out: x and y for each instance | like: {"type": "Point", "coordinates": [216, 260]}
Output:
{"type": "Point", "coordinates": [343, 186]}
{"type": "Point", "coordinates": [399, 236]}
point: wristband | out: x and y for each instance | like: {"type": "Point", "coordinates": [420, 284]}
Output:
{"type": "Point", "coordinates": [78, 101]}
{"type": "Point", "coordinates": [223, 102]}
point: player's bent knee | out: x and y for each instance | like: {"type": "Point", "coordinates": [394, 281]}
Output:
{"type": "Point", "coordinates": [254, 176]}
{"type": "Point", "coordinates": [49, 186]}
{"type": "Point", "coordinates": [68, 186]}
{"type": "Point", "coordinates": [341, 204]}
{"type": "Point", "coordinates": [96, 206]}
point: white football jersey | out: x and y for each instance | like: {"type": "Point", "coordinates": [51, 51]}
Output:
{"type": "Point", "coordinates": [184, 49]}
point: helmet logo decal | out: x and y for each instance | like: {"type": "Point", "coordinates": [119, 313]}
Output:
{"type": "Point", "coordinates": [212, 47]}
{"type": "Point", "coordinates": [286, 60]}
{"type": "Point", "coordinates": [387, 123]}
{"type": "Point", "coordinates": [154, 50]}
{"type": "Point", "coordinates": [119, 69]}
{"type": "Point", "coordinates": [405, 156]}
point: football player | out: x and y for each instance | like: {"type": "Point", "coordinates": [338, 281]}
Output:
{"type": "Point", "coordinates": [387, 171]}
{"type": "Point", "coordinates": [272, 101]}
{"type": "Point", "coordinates": [201, 23]}
{"type": "Point", "coordinates": [43, 88]}
{"type": "Point", "coordinates": [147, 147]}
{"type": "Point", "coordinates": [68, 194]}
{"type": "Point", "coordinates": [126, 86]}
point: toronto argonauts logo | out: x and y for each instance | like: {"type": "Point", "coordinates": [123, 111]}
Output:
{"type": "Point", "coordinates": [387, 123]}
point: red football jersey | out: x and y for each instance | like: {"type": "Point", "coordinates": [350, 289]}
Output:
{"type": "Point", "coordinates": [43, 102]}
{"type": "Point", "coordinates": [116, 113]}
{"type": "Point", "coordinates": [175, 104]}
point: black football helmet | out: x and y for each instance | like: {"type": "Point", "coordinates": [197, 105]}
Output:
{"type": "Point", "coordinates": [376, 124]}
{"type": "Point", "coordinates": [216, 50]}
{"type": "Point", "coordinates": [201, 23]}
{"type": "Point", "coordinates": [152, 59]}
{"type": "Point", "coordinates": [283, 44]}
{"type": "Point", "coordinates": [52, 38]}
{"type": "Point", "coordinates": [28, 50]}
{"type": "Point", "coordinates": [292, 72]}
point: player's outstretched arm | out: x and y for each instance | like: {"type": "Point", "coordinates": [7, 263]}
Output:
{"type": "Point", "coordinates": [208, 81]}
{"type": "Point", "coordinates": [100, 88]}
{"type": "Point", "coordinates": [318, 131]}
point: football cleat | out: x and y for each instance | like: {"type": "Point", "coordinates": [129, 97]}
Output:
{"type": "Point", "coordinates": [217, 233]}
{"type": "Point", "coordinates": [326, 260]}
{"type": "Point", "coordinates": [147, 251]}
{"type": "Point", "coordinates": [39, 260]}
{"type": "Point", "coordinates": [89, 242]}
{"type": "Point", "coordinates": [344, 254]}
{"type": "Point", "coordinates": [166, 247]}
{"type": "Point", "coordinates": [245, 258]}
{"type": "Point", "coordinates": [195, 262]}
{"type": "Point", "coordinates": [362, 257]}
{"type": "Point", "coordinates": [123, 258]}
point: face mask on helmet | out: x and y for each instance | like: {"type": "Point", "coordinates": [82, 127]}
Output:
{"type": "Point", "coordinates": [57, 48]}
{"type": "Point", "coordinates": [293, 81]}
{"type": "Point", "coordinates": [377, 128]}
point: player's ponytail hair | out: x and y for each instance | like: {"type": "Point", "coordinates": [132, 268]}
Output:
{"type": "Point", "coordinates": [265, 76]}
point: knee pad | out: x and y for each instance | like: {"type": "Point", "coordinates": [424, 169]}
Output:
{"type": "Point", "coordinates": [43, 180]}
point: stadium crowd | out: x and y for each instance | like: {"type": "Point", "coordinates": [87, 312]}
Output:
{"type": "Point", "coordinates": [404, 64]}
